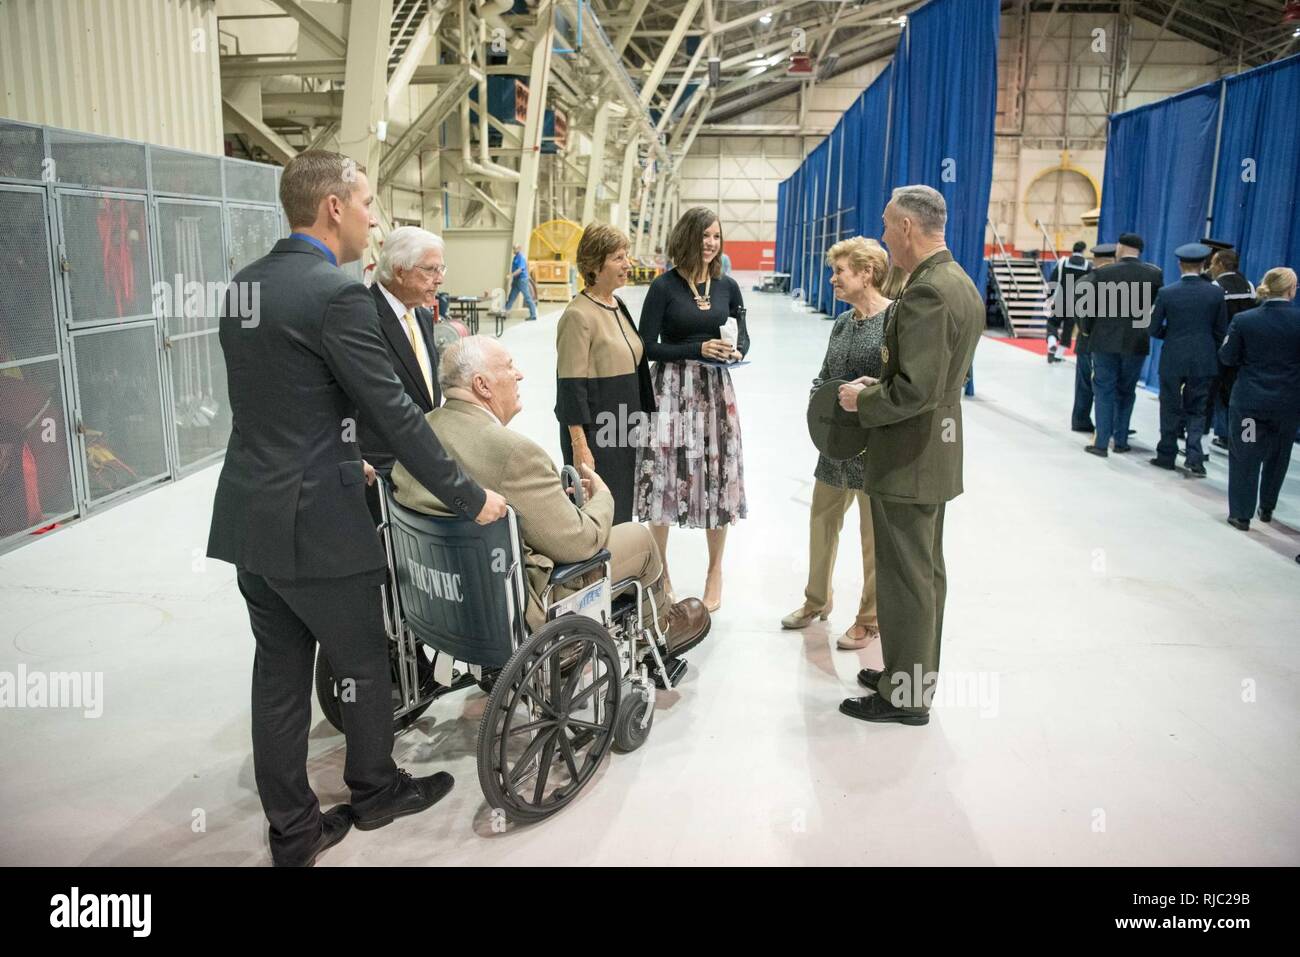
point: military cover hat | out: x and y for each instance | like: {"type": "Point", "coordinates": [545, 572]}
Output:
{"type": "Point", "coordinates": [836, 433]}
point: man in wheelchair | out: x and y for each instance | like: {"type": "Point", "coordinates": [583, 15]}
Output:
{"type": "Point", "coordinates": [481, 383]}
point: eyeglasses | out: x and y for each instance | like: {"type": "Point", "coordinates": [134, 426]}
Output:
{"type": "Point", "coordinates": [439, 270]}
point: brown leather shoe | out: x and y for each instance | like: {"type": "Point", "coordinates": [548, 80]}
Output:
{"type": "Point", "coordinates": [688, 623]}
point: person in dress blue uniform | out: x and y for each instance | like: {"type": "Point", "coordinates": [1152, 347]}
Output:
{"type": "Point", "coordinates": [1264, 345]}
{"type": "Point", "coordinates": [1103, 254]}
{"type": "Point", "coordinates": [1191, 316]}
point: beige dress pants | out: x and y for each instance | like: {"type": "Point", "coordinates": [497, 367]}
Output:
{"type": "Point", "coordinates": [828, 507]}
{"type": "Point", "coordinates": [632, 554]}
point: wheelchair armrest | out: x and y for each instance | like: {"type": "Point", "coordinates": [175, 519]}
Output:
{"type": "Point", "coordinates": [563, 574]}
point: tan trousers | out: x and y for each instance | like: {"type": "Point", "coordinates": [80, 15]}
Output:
{"type": "Point", "coordinates": [828, 507]}
{"type": "Point", "coordinates": [632, 554]}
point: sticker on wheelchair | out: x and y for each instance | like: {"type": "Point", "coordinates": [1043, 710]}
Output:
{"type": "Point", "coordinates": [592, 602]}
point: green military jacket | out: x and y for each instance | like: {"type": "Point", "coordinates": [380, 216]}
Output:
{"type": "Point", "coordinates": [914, 446]}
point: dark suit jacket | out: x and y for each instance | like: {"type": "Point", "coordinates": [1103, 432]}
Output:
{"type": "Point", "coordinates": [914, 446]}
{"type": "Point", "coordinates": [1118, 319]}
{"type": "Point", "coordinates": [1264, 344]}
{"type": "Point", "coordinates": [402, 356]}
{"type": "Point", "coordinates": [1191, 316]}
{"type": "Point", "coordinates": [290, 502]}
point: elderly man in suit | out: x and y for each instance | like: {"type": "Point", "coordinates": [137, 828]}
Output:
{"type": "Point", "coordinates": [407, 275]}
{"type": "Point", "coordinates": [913, 461]}
{"type": "Point", "coordinates": [1191, 317]}
{"type": "Point", "coordinates": [1117, 322]}
{"type": "Point", "coordinates": [481, 383]}
{"type": "Point", "coordinates": [291, 516]}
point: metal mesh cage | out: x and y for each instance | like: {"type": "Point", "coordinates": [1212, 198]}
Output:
{"type": "Point", "coordinates": [250, 182]}
{"type": "Point", "coordinates": [35, 480]}
{"type": "Point", "coordinates": [252, 234]}
{"type": "Point", "coordinates": [199, 399]}
{"type": "Point", "coordinates": [21, 151]}
{"type": "Point", "coordinates": [121, 407]}
{"type": "Point", "coordinates": [193, 277]}
{"type": "Point", "coordinates": [92, 161]}
{"type": "Point", "coordinates": [188, 173]}
{"type": "Point", "coordinates": [106, 241]}
{"type": "Point", "coordinates": [28, 322]}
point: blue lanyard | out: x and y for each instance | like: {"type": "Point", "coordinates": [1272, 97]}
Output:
{"type": "Point", "coordinates": [329, 253]}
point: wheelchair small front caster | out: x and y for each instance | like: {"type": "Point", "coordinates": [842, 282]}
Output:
{"type": "Point", "coordinates": [636, 715]}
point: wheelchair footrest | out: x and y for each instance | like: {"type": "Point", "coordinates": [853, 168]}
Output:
{"type": "Point", "coordinates": [676, 667]}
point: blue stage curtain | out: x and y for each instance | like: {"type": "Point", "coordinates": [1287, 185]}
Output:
{"type": "Point", "coordinates": [781, 250]}
{"type": "Point", "coordinates": [928, 118]}
{"type": "Point", "coordinates": [945, 105]}
{"type": "Point", "coordinates": [1259, 125]}
{"type": "Point", "coordinates": [1159, 164]}
{"type": "Point", "coordinates": [873, 120]}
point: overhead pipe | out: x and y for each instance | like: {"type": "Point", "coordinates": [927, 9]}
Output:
{"type": "Point", "coordinates": [469, 166]}
{"type": "Point", "coordinates": [597, 44]}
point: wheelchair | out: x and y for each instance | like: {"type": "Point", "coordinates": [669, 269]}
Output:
{"type": "Point", "coordinates": [559, 698]}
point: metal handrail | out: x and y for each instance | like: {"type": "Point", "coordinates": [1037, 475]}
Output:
{"type": "Point", "coordinates": [1047, 240]}
{"type": "Point", "coordinates": [997, 239]}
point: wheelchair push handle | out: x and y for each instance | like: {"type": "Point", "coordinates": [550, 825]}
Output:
{"type": "Point", "coordinates": [570, 478]}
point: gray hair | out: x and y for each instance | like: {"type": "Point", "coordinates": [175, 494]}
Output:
{"type": "Point", "coordinates": [403, 249]}
{"type": "Point", "coordinates": [924, 205]}
{"type": "Point", "coordinates": [462, 360]}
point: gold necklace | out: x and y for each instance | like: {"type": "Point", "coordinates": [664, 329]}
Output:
{"type": "Point", "coordinates": [705, 301]}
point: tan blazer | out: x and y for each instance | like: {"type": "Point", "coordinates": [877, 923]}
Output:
{"type": "Point", "coordinates": [554, 530]}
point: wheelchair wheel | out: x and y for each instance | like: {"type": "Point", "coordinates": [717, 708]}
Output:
{"type": "Point", "coordinates": [632, 709]}
{"type": "Point", "coordinates": [327, 691]}
{"type": "Point", "coordinates": [549, 721]}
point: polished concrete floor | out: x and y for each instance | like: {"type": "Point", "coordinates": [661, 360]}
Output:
{"type": "Point", "coordinates": [1132, 664]}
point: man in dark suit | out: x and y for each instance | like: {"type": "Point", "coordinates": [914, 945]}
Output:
{"type": "Point", "coordinates": [1103, 254]}
{"type": "Point", "coordinates": [290, 510]}
{"type": "Point", "coordinates": [1263, 344]}
{"type": "Point", "coordinates": [1117, 321]}
{"type": "Point", "coordinates": [1192, 318]}
{"type": "Point", "coordinates": [408, 274]}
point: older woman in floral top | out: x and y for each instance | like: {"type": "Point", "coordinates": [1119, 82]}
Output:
{"type": "Point", "coordinates": [859, 267]}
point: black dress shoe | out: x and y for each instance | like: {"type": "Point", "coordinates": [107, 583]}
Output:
{"type": "Point", "coordinates": [875, 708]}
{"type": "Point", "coordinates": [1196, 471]}
{"type": "Point", "coordinates": [1266, 515]}
{"type": "Point", "coordinates": [1132, 431]}
{"type": "Point", "coordinates": [1162, 464]}
{"type": "Point", "coordinates": [1093, 450]}
{"type": "Point", "coordinates": [410, 796]}
{"type": "Point", "coordinates": [1240, 524]}
{"type": "Point", "coordinates": [1121, 449]}
{"type": "Point", "coordinates": [1083, 428]}
{"type": "Point", "coordinates": [1219, 442]}
{"type": "Point", "coordinates": [334, 826]}
{"type": "Point", "coordinates": [869, 678]}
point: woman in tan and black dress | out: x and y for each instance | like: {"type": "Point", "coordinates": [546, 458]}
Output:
{"type": "Point", "coordinates": [603, 392]}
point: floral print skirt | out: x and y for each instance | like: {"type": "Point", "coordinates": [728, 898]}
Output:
{"type": "Point", "coordinates": [689, 465]}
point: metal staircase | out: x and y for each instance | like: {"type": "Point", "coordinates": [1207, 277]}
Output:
{"type": "Point", "coordinates": [407, 17]}
{"type": "Point", "coordinates": [1019, 291]}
